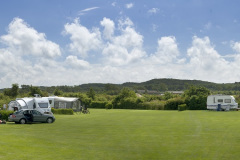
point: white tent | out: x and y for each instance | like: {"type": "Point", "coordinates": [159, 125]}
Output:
{"type": "Point", "coordinates": [65, 102]}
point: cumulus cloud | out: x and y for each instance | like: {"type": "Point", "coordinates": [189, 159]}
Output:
{"type": "Point", "coordinates": [75, 62]}
{"type": "Point", "coordinates": [236, 46]}
{"type": "Point", "coordinates": [205, 62]}
{"type": "Point", "coordinates": [126, 47]}
{"type": "Point", "coordinates": [167, 51]}
{"type": "Point", "coordinates": [82, 39]}
{"type": "Point", "coordinates": [119, 57]}
{"type": "Point", "coordinates": [25, 40]}
{"type": "Point", "coordinates": [109, 27]}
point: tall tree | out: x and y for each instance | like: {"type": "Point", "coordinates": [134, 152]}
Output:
{"type": "Point", "coordinates": [35, 90]}
{"type": "Point", "coordinates": [91, 94]}
{"type": "Point", "coordinates": [13, 92]}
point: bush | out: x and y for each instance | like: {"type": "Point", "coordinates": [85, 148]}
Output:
{"type": "Point", "coordinates": [197, 102]}
{"type": "Point", "coordinates": [5, 114]}
{"type": "Point", "coordinates": [182, 107]}
{"type": "Point", "coordinates": [62, 111]}
{"type": "Point", "coordinates": [153, 105]}
{"type": "Point", "coordinates": [97, 104]}
{"type": "Point", "coordinates": [172, 104]}
{"type": "Point", "coordinates": [109, 106]}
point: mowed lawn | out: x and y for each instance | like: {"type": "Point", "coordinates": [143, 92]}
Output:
{"type": "Point", "coordinates": [126, 135]}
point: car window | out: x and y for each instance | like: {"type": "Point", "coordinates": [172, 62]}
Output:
{"type": "Point", "coordinates": [36, 112]}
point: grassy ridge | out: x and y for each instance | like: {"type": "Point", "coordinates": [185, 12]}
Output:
{"type": "Point", "coordinates": [126, 134]}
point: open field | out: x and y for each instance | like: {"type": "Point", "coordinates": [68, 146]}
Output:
{"type": "Point", "coordinates": [126, 134]}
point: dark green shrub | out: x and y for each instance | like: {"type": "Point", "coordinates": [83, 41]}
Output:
{"type": "Point", "coordinates": [182, 107]}
{"type": "Point", "coordinates": [153, 105]}
{"type": "Point", "coordinates": [97, 104]}
{"type": "Point", "coordinates": [5, 114]}
{"type": "Point", "coordinates": [172, 104]}
{"type": "Point", "coordinates": [109, 105]}
{"type": "Point", "coordinates": [197, 102]}
{"type": "Point", "coordinates": [62, 111]}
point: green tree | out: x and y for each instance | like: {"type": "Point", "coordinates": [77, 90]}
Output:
{"type": "Point", "coordinates": [168, 95]}
{"type": "Point", "coordinates": [193, 90]}
{"type": "Point", "coordinates": [91, 94]}
{"type": "Point", "coordinates": [196, 97]}
{"type": "Point", "coordinates": [13, 92]}
{"type": "Point", "coordinates": [124, 94]}
{"type": "Point", "coordinates": [57, 92]}
{"type": "Point", "coordinates": [35, 90]}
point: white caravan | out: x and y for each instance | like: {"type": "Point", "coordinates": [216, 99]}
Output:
{"type": "Point", "coordinates": [221, 102]}
{"type": "Point", "coordinates": [38, 103]}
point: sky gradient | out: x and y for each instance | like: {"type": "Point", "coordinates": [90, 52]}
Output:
{"type": "Point", "coordinates": [59, 42]}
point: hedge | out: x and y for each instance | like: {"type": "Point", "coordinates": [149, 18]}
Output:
{"type": "Point", "coordinates": [62, 111]}
{"type": "Point", "coordinates": [172, 104]}
{"type": "Point", "coordinates": [153, 105]}
{"type": "Point", "coordinates": [5, 114]}
{"type": "Point", "coordinates": [98, 104]}
{"type": "Point", "coordinates": [182, 107]}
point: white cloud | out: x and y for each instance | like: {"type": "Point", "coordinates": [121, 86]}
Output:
{"type": "Point", "coordinates": [129, 5]}
{"type": "Point", "coordinates": [82, 39]}
{"type": "Point", "coordinates": [118, 53]}
{"type": "Point", "coordinates": [75, 62]}
{"type": "Point", "coordinates": [153, 10]}
{"type": "Point", "coordinates": [206, 63]}
{"type": "Point", "coordinates": [167, 51]}
{"type": "Point", "coordinates": [125, 48]}
{"type": "Point", "coordinates": [24, 40]}
{"type": "Point", "coordinates": [236, 46]}
{"type": "Point", "coordinates": [109, 27]}
{"type": "Point", "coordinates": [82, 12]}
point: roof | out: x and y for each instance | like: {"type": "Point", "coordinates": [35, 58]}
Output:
{"type": "Point", "coordinates": [65, 99]}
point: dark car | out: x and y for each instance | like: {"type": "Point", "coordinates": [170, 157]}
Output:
{"type": "Point", "coordinates": [30, 116]}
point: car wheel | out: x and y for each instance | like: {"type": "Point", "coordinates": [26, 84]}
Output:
{"type": "Point", "coordinates": [49, 120]}
{"type": "Point", "coordinates": [22, 121]}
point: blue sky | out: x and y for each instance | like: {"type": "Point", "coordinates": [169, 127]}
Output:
{"type": "Point", "coordinates": [61, 42]}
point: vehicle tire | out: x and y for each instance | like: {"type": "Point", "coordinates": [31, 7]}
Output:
{"type": "Point", "coordinates": [49, 120]}
{"type": "Point", "coordinates": [22, 121]}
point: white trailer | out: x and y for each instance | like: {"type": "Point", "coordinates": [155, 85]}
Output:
{"type": "Point", "coordinates": [38, 103]}
{"type": "Point", "coordinates": [221, 102]}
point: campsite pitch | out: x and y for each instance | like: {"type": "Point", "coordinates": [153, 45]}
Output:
{"type": "Point", "coordinates": [126, 134]}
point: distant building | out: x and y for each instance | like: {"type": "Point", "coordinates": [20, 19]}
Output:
{"type": "Point", "coordinates": [158, 92]}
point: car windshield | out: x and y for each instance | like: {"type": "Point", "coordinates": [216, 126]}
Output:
{"type": "Point", "coordinates": [43, 105]}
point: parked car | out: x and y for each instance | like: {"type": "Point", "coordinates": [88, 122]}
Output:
{"type": "Point", "coordinates": [29, 115]}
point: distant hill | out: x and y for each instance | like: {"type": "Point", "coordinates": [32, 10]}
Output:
{"type": "Point", "coordinates": [161, 85]}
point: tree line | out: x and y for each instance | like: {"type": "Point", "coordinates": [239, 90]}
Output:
{"type": "Point", "coordinates": [193, 98]}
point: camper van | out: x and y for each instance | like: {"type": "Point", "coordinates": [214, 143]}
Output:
{"type": "Point", "coordinates": [38, 103]}
{"type": "Point", "coordinates": [221, 102]}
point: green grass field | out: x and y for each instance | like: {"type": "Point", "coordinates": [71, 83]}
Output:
{"type": "Point", "coordinates": [126, 135]}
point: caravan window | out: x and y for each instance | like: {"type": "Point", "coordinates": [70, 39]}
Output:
{"type": "Point", "coordinates": [43, 105]}
{"type": "Point", "coordinates": [220, 100]}
{"type": "Point", "coordinates": [227, 100]}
